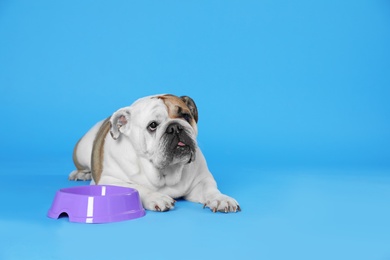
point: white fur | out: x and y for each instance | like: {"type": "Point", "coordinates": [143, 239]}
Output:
{"type": "Point", "coordinates": [135, 160]}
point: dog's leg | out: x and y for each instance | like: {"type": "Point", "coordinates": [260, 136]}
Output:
{"type": "Point", "coordinates": [82, 172]}
{"type": "Point", "coordinates": [207, 193]}
{"type": "Point", "coordinates": [151, 200]}
{"type": "Point", "coordinates": [82, 155]}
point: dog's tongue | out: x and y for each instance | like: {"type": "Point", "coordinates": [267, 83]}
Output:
{"type": "Point", "coordinates": [181, 144]}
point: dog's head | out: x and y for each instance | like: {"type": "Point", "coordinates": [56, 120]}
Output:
{"type": "Point", "coordinates": [161, 128]}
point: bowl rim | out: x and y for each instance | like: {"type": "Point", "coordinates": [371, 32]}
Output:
{"type": "Point", "coordinates": [106, 190]}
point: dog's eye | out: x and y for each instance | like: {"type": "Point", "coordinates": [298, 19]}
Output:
{"type": "Point", "coordinates": [187, 117]}
{"type": "Point", "coordinates": [152, 126]}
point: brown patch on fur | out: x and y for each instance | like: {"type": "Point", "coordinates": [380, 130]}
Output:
{"type": "Point", "coordinates": [176, 107]}
{"type": "Point", "coordinates": [98, 151]}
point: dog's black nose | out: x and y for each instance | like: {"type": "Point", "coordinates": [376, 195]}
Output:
{"type": "Point", "coordinates": [174, 128]}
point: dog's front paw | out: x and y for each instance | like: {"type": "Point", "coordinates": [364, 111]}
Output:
{"type": "Point", "coordinates": [222, 203]}
{"type": "Point", "coordinates": [158, 202]}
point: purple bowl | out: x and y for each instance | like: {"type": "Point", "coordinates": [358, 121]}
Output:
{"type": "Point", "coordinates": [97, 204]}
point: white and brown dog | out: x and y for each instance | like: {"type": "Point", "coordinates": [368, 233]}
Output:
{"type": "Point", "coordinates": [151, 146]}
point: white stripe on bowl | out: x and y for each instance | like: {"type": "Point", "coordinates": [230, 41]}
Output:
{"type": "Point", "coordinates": [90, 207]}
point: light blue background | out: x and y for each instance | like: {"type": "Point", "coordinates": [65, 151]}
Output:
{"type": "Point", "coordinates": [294, 119]}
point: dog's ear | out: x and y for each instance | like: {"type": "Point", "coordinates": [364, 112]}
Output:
{"type": "Point", "coordinates": [191, 105]}
{"type": "Point", "coordinates": [119, 122]}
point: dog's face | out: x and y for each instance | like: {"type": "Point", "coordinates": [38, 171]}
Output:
{"type": "Point", "coordinates": [161, 128]}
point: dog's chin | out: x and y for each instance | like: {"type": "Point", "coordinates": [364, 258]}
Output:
{"type": "Point", "coordinates": [181, 155]}
{"type": "Point", "coordinates": [178, 155]}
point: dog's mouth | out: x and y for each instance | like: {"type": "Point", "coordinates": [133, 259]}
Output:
{"type": "Point", "coordinates": [179, 143]}
{"type": "Point", "coordinates": [182, 150]}
{"type": "Point", "coordinates": [179, 147]}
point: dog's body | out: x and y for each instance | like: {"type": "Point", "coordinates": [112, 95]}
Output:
{"type": "Point", "coordinates": [153, 149]}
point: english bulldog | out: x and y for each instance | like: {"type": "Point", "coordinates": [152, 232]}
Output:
{"type": "Point", "coordinates": [151, 146]}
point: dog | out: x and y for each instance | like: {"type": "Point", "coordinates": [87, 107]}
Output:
{"type": "Point", "coordinates": [151, 146]}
